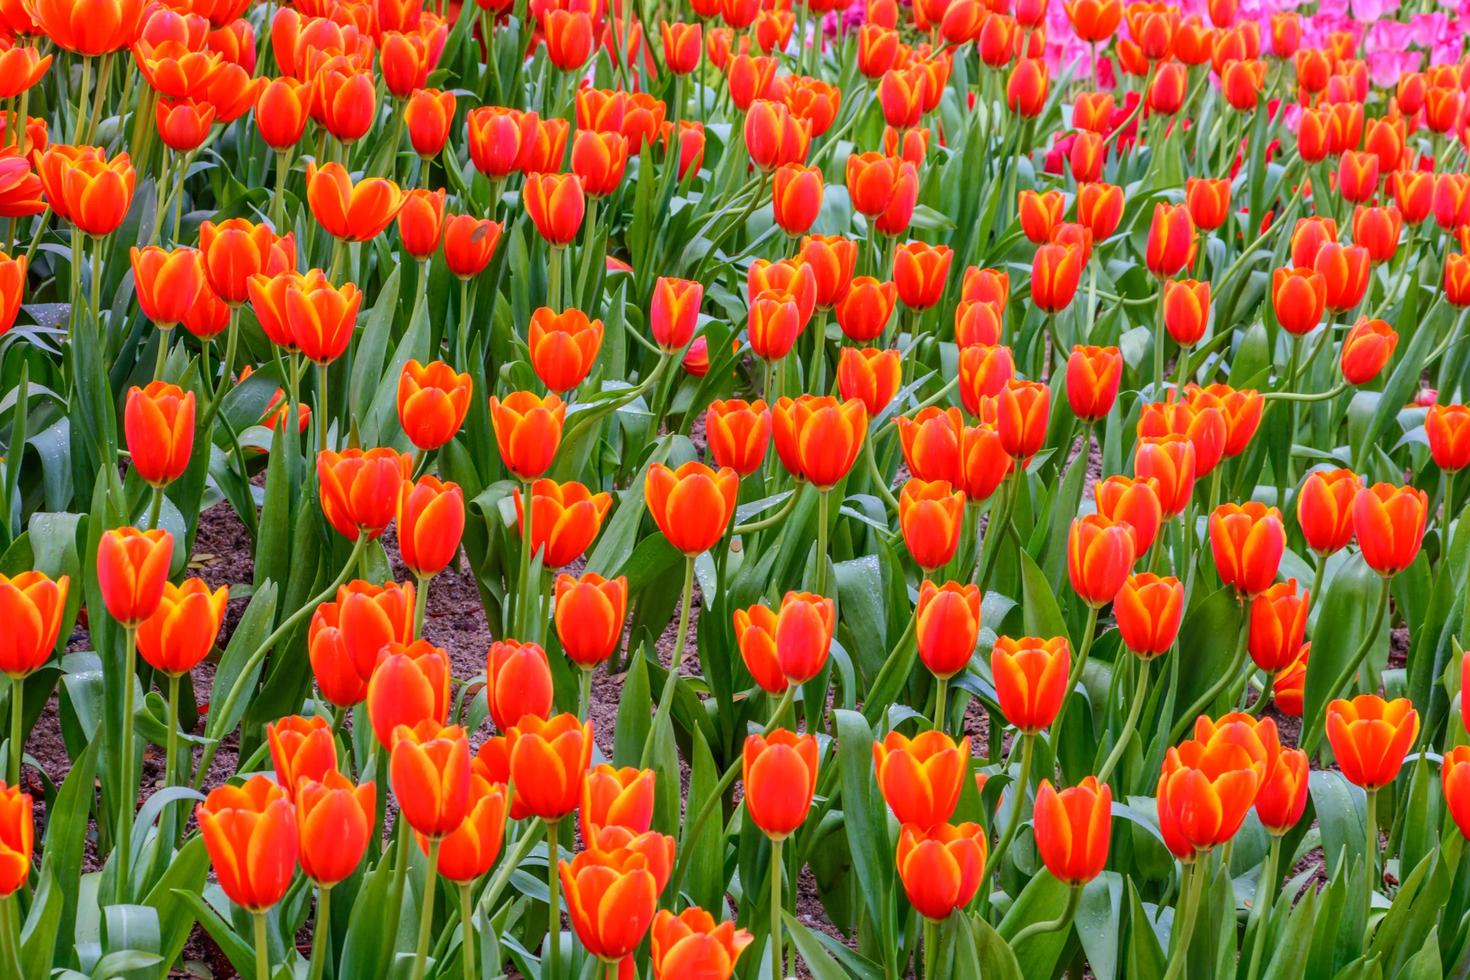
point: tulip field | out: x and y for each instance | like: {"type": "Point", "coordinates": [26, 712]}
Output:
{"type": "Point", "coordinates": [693, 489]}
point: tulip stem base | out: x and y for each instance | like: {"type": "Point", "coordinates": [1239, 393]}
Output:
{"type": "Point", "coordinates": [421, 604]}
{"type": "Point", "coordinates": [931, 949]}
{"type": "Point", "coordinates": [584, 693]}
{"type": "Point", "coordinates": [1261, 910]}
{"type": "Point", "coordinates": [426, 912]}
{"type": "Point", "coordinates": [171, 749]}
{"type": "Point", "coordinates": [262, 948]}
{"type": "Point", "coordinates": [155, 508]}
{"type": "Point", "coordinates": [321, 933]}
{"type": "Point", "coordinates": [775, 937]}
{"type": "Point", "coordinates": [467, 924]}
{"type": "Point", "coordinates": [1130, 724]}
{"type": "Point", "coordinates": [10, 932]}
{"type": "Point", "coordinates": [941, 702]}
{"type": "Point", "coordinates": [17, 740]}
{"type": "Point", "coordinates": [1189, 892]}
{"type": "Point", "coordinates": [1370, 862]}
{"type": "Point", "coordinates": [127, 789]}
{"type": "Point", "coordinates": [823, 501]}
{"type": "Point", "coordinates": [552, 954]}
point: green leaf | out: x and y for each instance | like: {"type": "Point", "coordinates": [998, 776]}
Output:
{"type": "Point", "coordinates": [822, 966]}
{"type": "Point", "coordinates": [1351, 599]}
{"type": "Point", "coordinates": [1043, 617]}
{"type": "Point", "coordinates": [186, 872]}
{"type": "Point", "coordinates": [1043, 899]}
{"type": "Point", "coordinates": [865, 821]}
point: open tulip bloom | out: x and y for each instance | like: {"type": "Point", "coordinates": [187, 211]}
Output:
{"type": "Point", "coordinates": [740, 489]}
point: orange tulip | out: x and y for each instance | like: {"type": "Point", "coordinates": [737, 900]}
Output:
{"type": "Point", "coordinates": [931, 515]}
{"type": "Point", "coordinates": [1026, 87]}
{"type": "Point", "coordinates": [1344, 270]}
{"type": "Point", "coordinates": [336, 675]}
{"type": "Point", "coordinates": [428, 115]}
{"type": "Point", "coordinates": [1135, 503]}
{"type": "Point", "coordinates": [738, 433]}
{"type": "Point", "coordinates": [774, 323]}
{"type": "Point", "coordinates": [159, 424]}
{"type": "Point", "coordinates": [872, 180]}
{"type": "Point", "coordinates": [430, 772]}
{"type": "Point", "coordinates": [1247, 541]}
{"type": "Point", "coordinates": [548, 762]}
{"type": "Point", "coordinates": [421, 222]}
{"type": "Point", "coordinates": [931, 442]}
{"type": "Point", "coordinates": [818, 438]}
{"type": "Point", "coordinates": [1208, 201]}
{"type": "Point", "coordinates": [1100, 208]}
{"type": "Point", "coordinates": [1454, 779]}
{"type": "Point", "coordinates": [469, 244]}
{"type": "Point", "coordinates": [692, 505]}
{"type": "Point", "coordinates": [690, 944]}
{"type": "Point", "coordinates": [1022, 408]}
{"type": "Point", "coordinates": [132, 568]}
{"type": "Point", "coordinates": [12, 283]}
{"type": "Point", "coordinates": [352, 211]}
{"type": "Point", "coordinates": [919, 272]}
{"type": "Point", "coordinates": [31, 604]}
{"type": "Point", "coordinates": [1100, 555]}
{"type": "Point", "coordinates": [495, 138]}
{"type": "Point", "coordinates": [1389, 524]}
{"type": "Point", "coordinates": [1324, 509]}
{"type": "Point", "coordinates": [1087, 156]}
{"type": "Point", "coordinates": [167, 283]}
{"type": "Point", "coordinates": [832, 259]}
{"type": "Point", "coordinates": [1377, 230]}
{"type": "Point", "coordinates": [1278, 622]}
{"type": "Point", "coordinates": [1283, 794]}
{"type": "Point", "coordinates": [921, 778]}
{"type": "Point", "coordinates": [869, 375]}
{"type": "Point", "coordinates": [1093, 377]}
{"type": "Point", "coordinates": [1039, 213]}
{"type": "Point", "coordinates": [281, 111]}
{"type": "Point", "coordinates": [779, 772]}
{"type": "Point", "coordinates": [17, 839]}
{"type": "Point", "coordinates": [344, 99]}
{"type": "Point", "coordinates": [978, 323]}
{"type": "Point", "coordinates": [1457, 279]}
{"type": "Point", "coordinates": [600, 160]}
{"type": "Point", "coordinates": [430, 524]}
{"type": "Point", "coordinates": [1186, 310]}
{"type": "Point", "coordinates": [320, 316]}
{"type": "Point", "coordinates": [432, 402]}
{"type": "Point", "coordinates": [183, 125]}
{"type": "Point", "coordinates": [1370, 737]}
{"type": "Point", "coordinates": [984, 374]}
{"type": "Point", "coordinates": [789, 646]}
{"type": "Point", "coordinates": [1171, 242]}
{"type": "Point", "coordinates": [301, 748]}
{"type": "Point", "coordinates": [86, 188]}
{"type": "Point", "coordinates": [469, 851]}
{"type": "Point", "coordinates": [1030, 679]}
{"type": "Point", "coordinates": [620, 798]}
{"type": "Point", "coordinates": [517, 683]}
{"type": "Point", "coordinates": [527, 431]}
{"type": "Point", "coordinates": [250, 834]}
{"type": "Point", "coordinates": [1149, 610]}
{"type": "Point", "coordinates": [1366, 350]}
{"type": "Point", "coordinates": [1448, 430]}
{"type": "Point", "coordinates": [410, 685]}
{"type": "Point", "coordinates": [796, 196]}
{"type": "Point", "coordinates": [563, 347]}
{"type": "Point", "coordinates": [182, 630]}
{"type": "Point", "coordinates": [1204, 793]}
{"type": "Point", "coordinates": [334, 821]}
{"type": "Point", "coordinates": [674, 312]}
{"type": "Point", "coordinates": [360, 490]}
{"type": "Point", "coordinates": [863, 314]}
{"type": "Point", "coordinates": [941, 867]}
{"type": "Point", "coordinates": [611, 900]}
{"type": "Point", "coordinates": [589, 616]}
{"type": "Point", "coordinates": [947, 622]}
{"type": "Point", "coordinates": [1072, 829]}
{"type": "Point", "coordinates": [1056, 271]}
{"type": "Point", "coordinates": [556, 205]}
{"type": "Point", "coordinates": [235, 250]}
{"type": "Point", "coordinates": [1170, 462]}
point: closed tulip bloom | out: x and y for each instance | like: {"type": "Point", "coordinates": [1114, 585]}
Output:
{"type": "Point", "coordinates": [779, 772]}
{"type": "Point", "coordinates": [921, 778]}
{"type": "Point", "coordinates": [1186, 310]}
{"type": "Point", "coordinates": [691, 944]}
{"type": "Point", "coordinates": [818, 438]}
{"type": "Point", "coordinates": [495, 138]}
{"type": "Point", "coordinates": [1413, 195]}
{"type": "Point", "coordinates": [469, 244]}
{"type": "Point", "coordinates": [430, 524]}
{"type": "Point", "coordinates": [569, 38]}
{"type": "Point", "coordinates": [1135, 502]}
{"type": "Point", "coordinates": [1247, 541]}
{"type": "Point", "coordinates": [12, 287]}
{"type": "Point", "coordinates": [409, 685]}
{"type": "Point", "coordinates": [692, 505]}
{"type": "Point", "coordinates": [683, 46]}
{"type": "Point", "coordinates": [282, 109]}
{"type": "Point", "coordinates": [755, 635]}
{"type": "Point", "coordinates": [362, 620]}
{"type": "Point", "coordinates": [984, 374]}
{"type": "Point", "coordinates": [738, 433]}
{"type": "Point", "coordinates": [1022, 410]}
{"type": "Point", "coordinates": [1289, 686]}
{"type": "Point", "coordinates": [427, 115]}
{"type": "Point", "coordinates": [1308, 237]}
{"type": "Point", "coordinates": [320, 316]}
{"type": "Point", "coordinates": [1457, 279]}
{"type": "Point", "coordinates": [1039, 213]}
{"type": "Point", "coordinates": [1357, 176]}
{"type": "Point", "coordinates": [250, 834]}
{"type": "Point", "coordinates": [235, 250]}
{"type": "Point", "coordinates": [611, 900]}
{"type": "Point", "coordinates": [832, 259]}
{"type": "Point", "coordinates": [1056, 271]}
{"type": "Point", "coordinates": [1324, 509]}
{"type": "Point", "coordinates": [17, 839]}
{"type": "Point", "coordinates": [565, 519]}
{"type": "Point", "coordinates": [430, 772]}
{"type": "Point", "coordinates": [1344, 270]}
{"type": "Point", "coordinates": [31, 604]}
{"type": "Point", "coordinates": [527, 431]}
{"type": "Point", "coordinates": [983, 462]}
{"type": "Point", "coordinates": [517, 683]}
{"type": "Point", "coordinates": [470, 850]}
{"type": "Point", "coordinates": [1242, 81]}
{"type": "Point", "coordinates": [803, 635]}
{"type": "Point", "coordinates": [589, 616]}
{"type": "Point", "coordinates": [167, 283]}
{"type": "Point", "coordinates": [1282, 798]}
{"type": "Point", "coordinates": [334, 821]}
{"type": "Point", "coordinates": [1087, 156]}
{"type": "Point", "coordinates": [1149, 609]}
{"type": "Point", "coordinates": [622, 799]}
{"type": "Point", "coordinates": [1278, 622]}
{"type": "Point", "coordinates": [1169, 89]}
{"type": "Point", "coordinates": [1100, 555]}
{"type": "Point", "coordinates": [872, 180]}
{"type": "Point", "coordinates": [132, 569]}
{"type": "Point", "coordinates": [1026, 88]}
{"type": "Point", "coordinates": [421, 222]}
{"type": "Point", "coordinates": [931, 442]}
{"type": "Point", "coordinates": [1454, 782]}
{"type": "Point", "coordinates": [1370, 737]}
{"type": "Point", "coordinates": [941, 867]}
{"type": "Point", "coordinates": [548, 762]}
{"type": "Point", "coordinates": [599, 159]}
{"type": "Point", "coordinates": [774, 324]}
{"type": "Point", "coordinates": [978, 323]}
{"type": "Point", "coordinates": [1388, 522]}
{"type": "Point", "coordinates": [1072, 829]}
{"type": "Point", "coordinates": [931, 515]}
{"type": "Point", "coordinates": [1366, 350]}
{"type": "Point", "coordinates": [432, 401]}
{"type": "Point", "coordinates": [1030, 679]}
{"type": "Point", "coordinates": [159, 424]}
{"type": "Point", "coordinates": [182, 630]}
{"type": "Point", "coordinates": [405, 60]}
{"type": "Point", "coordinates": [674, 312]}
{"type": "Point", "coordinates": [870, 375]}
{"type": "Point", "coordinates": [1170, 462]}
{"type": "Point", "coordinates": [86, 188]}
{"type": "Point", "coordinates": [183, 125]}
{"type": "Point", "coordinates": [1448, 430]}
{"type": "Point", "coordinates": [1208, 201]}
{"type": "Point", "coordinates": [352, 211]}
{"type": "Point", "coordinates": [563, 346]}
{"type": "Point", "coordinates": [301, 748]}
{"type": "Point", "coordinates": [359, 489]}
{"type": "Point", "coordinates": [1100, 208]}
{"type": "Point", "coordinates": [1171, 241]}
{"type": "Point", "coordinates": [796, 196]}
{"type": "Point", "coordinates": [1094, 20]}
{"type": "Point", "coordinates": [878, 49]}
{"type": "Point", "coordinates": [1204, 794]}
{"type": "Point", "coordinates": [344, 100]}
{"type": "Point", "coordinates": [919, 272]}
{"type": "Point", "coordinates": [947, 622]}
{"type": "Point", "coordinates": [1377, 230]}
{"type": "Point", "coordinates": [864, 312]}
{"type": "Point", "coordinates": [1093, 377]}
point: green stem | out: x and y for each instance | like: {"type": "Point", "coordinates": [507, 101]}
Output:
{"type": "Point", "coordinates": [17, 740]}
{"type": "Point", "coordinates": [421, 603]}
{"type": "Point", "coordinates": [426, 914]}
{"type": "Point", "coordinates": [584, 694]}
{"type": "Point", "coordinates": [783, 705]}
{"type": "Point", "coordinates": [1158, 392]}
{"type": "Point", "coordinates": [155, 507]}
{"type": "Point", "coordinates": [171, 753]}
{"type": "Point", "coordinates": [127, 789]}
{"type": "Point", "coordinates": [1135, 708]}
{"type": "Point", "coordinates": [1227, 678]}
{"type": "Point", "coordinates": [666, 699]}
{"type": "Point", "coordinates": [1074, 899]}
{"type": "Point", "coordinates": [773, 518]}
{"type": "Point", "coordinates": [278, 199]}
{"type": "Point", "coordinates": [1194, 874]}
{"type": "Point", "coordinates": [321, 932]}
{"type": "Point", "coordinates": [1054, 737]}
{"type": "Point", "coordinates": [931, 949]}
{"type": "Point", "coordinates": [1261, 909]}
{"type": "Point", "coordinates": [822, 502]}
{"type": "Point", "coordinates": [262, 948]}
{"type": "Point", "coordinates": [1370, 858]}
{"type": "Point", "coordinates": [776, 905]}
{"type": "Point", "coordinates": [941, 702]}
{"type": "Point", "coordinates": [1028, 752]}
{"type": "Point", "coordinates": [10, 911]}
{"type": "Point", "coordinates": [161, 360]}
{"type": "Point", "coordinates": [523, 601]}
{"type": "Point", "coordinates": [467, 923]}
{"type": "Point", "coordinates": [323, 371]}
{"type": "Point", "coordinates": [553, 883]}
{"type": "Point", "coordinates": [401, 838]}
{"type": "Point", "coordinates": [81, 121]}
{"type": "Point", "coordinates": [1345, 676]}
{"type": "Point", "coordinates": [553, 279]}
